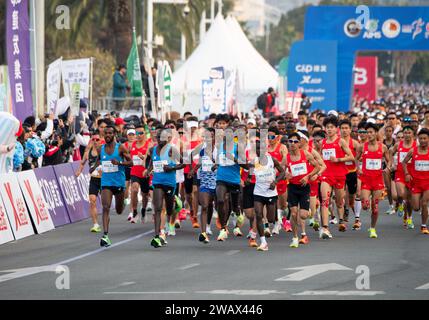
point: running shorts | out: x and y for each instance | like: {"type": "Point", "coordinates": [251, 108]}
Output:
{"type": "Point", "coordinates": [168, 190]}
{"type": "Point", "coordinates": [419, 186]}
{"type": "Point", "coordinates": [248, 198]}
{"type": "Point", "coordinates": [266, 200]}
{"type": "Point", "coordinates": [114, 190]}
{"type": "Point", "coordinates": [127, 173]}
{"type": "Point", "coordinates": [335, 182]}
{"type": "Point", "coordinates": [282, 187]}
{"type": "Point", "coordinates": [351, 182]}
{"type": "Point", "coordinates": [143, 182]}
{"type": "Point", "coordinates": [94, 186]}
{"type": "Point", "coordinates": [231, 188]}
{"type": "Point", "coordinates": [299, 195]}
{"type": "Point", "coordinates": [372, 183]}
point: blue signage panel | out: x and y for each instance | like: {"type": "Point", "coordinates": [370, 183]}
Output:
{"type": "Point", "coordinates": [384, 28]}
{"type": "Point", "coordinates": [313, 70]}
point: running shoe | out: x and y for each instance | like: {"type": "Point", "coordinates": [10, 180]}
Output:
{"type": "Point", "coordinates": [240, 220]}
{"type": "Point", "coordinates": [209, 230]}
{"type": "Point", "coordinates": [130, 216]}
{"type": "Point", "coordinates": [135, 220]}
{"type": "Point", "coordinates": [311, 222]}
{"type": "Point", "coordinates": [333, 221]}
{"type": "Point", "coordinates": [294, 243]}
{"type": "Point", "coordinates": [96, 229]}
{"type": "Point", "coordinates": [171, 231]}
{"type": "Point", "coordinates": [163, 239]}
{"type": "Point", "coordinates": [251, 234]}
{"type": "Point", "coordinates": [105, 241]}
{"type": "Point", "coordinates": [263, 247]}
{"type": "Point", "coordinates": [372, 233]}
{"type": "Point", "coordinates": [195, 223]}
{"type": "Point", "coordinates": [223, 235]}
{"type": "Point", "coordinates": [177, 224]}
{"type": "Point", "coordinates": [390, 211]}
{"type": "Point", "coordinates": [342, 227]}
{"type": "Point", "coordinates": [284, 220]}
{"type": "Point", "coordinates": [252, 243]}
{"type": "Point", "coordinates": [287, 226]}
{"type": "Point", "coordinates": [149, 206]}
{"type": "Point", "coordinates": [203, 238]}
{"type": "Point", "coordinates": [304, 240]}
{"type": "Point", "coordinates": [326, 234]}
{"type": "Point", "coordinates": [237, 232]}
{"type": "Point", "coordinates": [424, 230]}
{"type": "Point", "coordinates": [410, 224]}
{"type": "Point", "coordinates": [156, 242]}
{"type": "Point", "coordinates": [267, 232]}
{"type": "Point", "coordinates": [277, 227]}
{"type": "Point", "coordinates": [182, 214]}
{"type": "Point", "coordinates": [357, 225]}
{"type": "Point", "coordinates": [218, 224]}
{"type": "Point", "coordinates": [400, 210]}
{"type": "Point", "coordinates": [316, 226]}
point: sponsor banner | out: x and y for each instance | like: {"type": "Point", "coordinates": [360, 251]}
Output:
{"type": "Point", "coordinates": [18, 57]}
{"type": "Point", "coordinates": [72, 192]}
{"type": "Point", "coordinates": [76, 72]}
{"type": "Point", "coordinates": [365, 78]}
{"type": "Point", "coordinates": [83, 183]}
{"type": "Point", "coordinates": [293, 103]}
{"type": "Point", "coordinates": [53, 84]}
{"type": "Point", "coordinates": [312, 69]}
{"type": "Point", "coordinates": [380, 29]}
{"type": "Point", "coordinates": [36, 203]}
{"type": "Point", "coordinates": [6, 234]}
{"type": "Point", "coordinates": [53, 196]}
{"type": "Point", "coordinates": [14, 204]}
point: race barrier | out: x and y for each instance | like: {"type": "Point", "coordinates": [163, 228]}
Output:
{"type": "Point", "coordinates": [43, 199]}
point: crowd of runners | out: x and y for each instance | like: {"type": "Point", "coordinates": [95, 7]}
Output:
{"type": "Point", "coordinates": [232, 177]}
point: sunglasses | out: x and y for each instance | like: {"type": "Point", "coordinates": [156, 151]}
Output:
{"type": "Point", "coordinates": [96, 139]}
{"type": "Point", "coordinates": [271, 137]}
{"type": "Point", "coordinates": [181, 133]}
{"type": "Point", "coordinates": [293, 141]}
{"type": "Point", "coordinates": [138, 133]}
{"type": "Point", "coordinates": [170, 127]}
{"type": "Point", "coordinates": [362, 131]}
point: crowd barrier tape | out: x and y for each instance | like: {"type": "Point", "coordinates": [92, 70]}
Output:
{"type": "Point", "coordinates": [14, 203]}
{"type": "Point", "coordinates": [40, 200]}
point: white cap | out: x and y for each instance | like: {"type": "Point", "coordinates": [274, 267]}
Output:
{"type": "Point", "coordinates": [302, 136]}
{"type": "Point", "coordinates": [131, 131]}
{"type": "Point", "coordinates": [251, 121]}
{"type": "Point", "coordinates": [371, 120]}
{"type": "Point", "coordinates": [192, 124]}
{"type": "Point", "coordinates": [333, 113]}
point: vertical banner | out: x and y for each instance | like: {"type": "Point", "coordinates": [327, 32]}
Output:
{"type": "Point", "coordinates": [35, 201]}
{"type": "Point", "coordinates": [75, 99]}
{"type": "Point", "coordinates": [72, 193]}
{"type": "Point", "coordinates": [365, 78]}
{"type": "Point", "coordinates": [160, 86]}
{"type": "Point", "coordinates": [207, 89]}
{"type": "Point", "coordinates": [53, 84]}
{"type": "Point", "coordinates": [168, 76]}
{"type": "Point", "coordinates": [14, 204]}
{"type": "Point", "coordinates": [52, 194]}
{"type": "Point", "coordinates": [76, 71]}
{"type": "Point", "coordinates": [18, 57]}
{"type": "Point", "coordinates": [6, 234]}
{"type": "Point", "coordinates": [312, 70]}
{"type": "Point", "coordinates": [293, 103]}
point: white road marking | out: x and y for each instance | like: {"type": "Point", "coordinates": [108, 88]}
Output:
{"type": "Point", "coordinates": [423, 287]}
{"type": "Point", "coordinates": [311, 271]}
{"type": "Point", "coordinates": [24, 272]}
{"type": "Point", "coordinates": [189, 266]}
{"type": "Point", "coordinates": [339, 293]}
{"type": "Point", "coordinates": [147, 292]}
{"type": "Point", "coordinates": [124, 284]}
{"type": "Point", "coordinates": [232, 252]}
{"type": "Point", "coordinates": [243, 292]}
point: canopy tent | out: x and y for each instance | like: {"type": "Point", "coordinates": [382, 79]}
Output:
{"type": "Point", "coordinates": [224, 45]}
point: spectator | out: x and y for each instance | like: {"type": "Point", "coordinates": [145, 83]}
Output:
{"type": "Point", "coordinates": [120, 87]}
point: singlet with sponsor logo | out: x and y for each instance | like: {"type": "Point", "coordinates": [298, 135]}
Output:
{"type": "Point", "coordinates": [113, 175]}
{"type": "Point", "coordinates": [207, 176]}
{"type": "Point", "coordinates": [420, 165]}
{"type": "Point", "coordinates": [265, 174]}
{"type": "Point", "coordinates": [160, 177]}
{"type": "Point", "coordinates": [401, 154]}
{"type": "Point", "coordinates": [372, 161]}
{"type": "Point", "coordinates": [298, 169]}
{"type": "Point", "coordinates": [138, 168]}
{"type": "Point", "coordinates": [333, 149]}
{"type": "Point", "coordinates": [351, 165]}
{"type": "Point", "coordinates": [228, 171]}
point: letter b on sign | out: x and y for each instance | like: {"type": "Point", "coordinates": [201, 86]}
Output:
{"type": "Point", "coordinates": [361, 76]}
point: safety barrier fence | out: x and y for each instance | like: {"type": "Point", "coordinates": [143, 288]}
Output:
{"type": "Point", "coordinates": [37, 201]}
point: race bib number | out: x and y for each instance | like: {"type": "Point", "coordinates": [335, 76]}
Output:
{"type": "Point", "coordinates": [264, 175]}
{"type": "Point", "coordinates": [108, 167]}
{"type": "Point", "coordinates": [224, 161]}
{"type": "Point", "coordinates": [402, 156]}
{"type": "Point", "coordinates": [206, 164]}
{"type": "Point", "coordinates": [298, 169]}
{"type": "Point", "coordinates": [328, 153]}
{"type": "Point", "coordinates": [158, 166]}
{"type": "Point", "coordinates": [421, 165]}
{"type": "Point", "coordinates": [97, 172]}
{"type": "Point", "coordinates": [373, 164]}
{"type": "Point", "coordinates": [137, 161]}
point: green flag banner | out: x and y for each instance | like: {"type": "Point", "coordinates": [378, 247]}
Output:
{"type": "Point", "coordinates": [133, 70]}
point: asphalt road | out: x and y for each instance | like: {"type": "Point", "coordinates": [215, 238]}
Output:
{"type": "Point", "coordinates": [350, 266]}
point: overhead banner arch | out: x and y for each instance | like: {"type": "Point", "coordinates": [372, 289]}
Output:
{"type": "Point", "coordinates": [384, 29]}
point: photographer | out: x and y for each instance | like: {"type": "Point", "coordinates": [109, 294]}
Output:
{"type": "Point", "coordinates": [54, 154]}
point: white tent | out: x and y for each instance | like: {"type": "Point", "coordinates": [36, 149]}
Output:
{"type": "Point", "coordinates": [226, 45]}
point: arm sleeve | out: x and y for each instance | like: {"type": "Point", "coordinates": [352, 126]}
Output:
{"type": "Point", "coordinates": [49, 129]}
